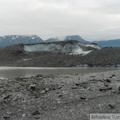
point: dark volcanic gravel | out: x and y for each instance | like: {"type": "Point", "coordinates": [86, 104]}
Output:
{"type": "Point", "coordinates": [66, 97]}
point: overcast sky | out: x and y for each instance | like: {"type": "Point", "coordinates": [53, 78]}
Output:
{"type": "Point", "coordinates": [91, 19]}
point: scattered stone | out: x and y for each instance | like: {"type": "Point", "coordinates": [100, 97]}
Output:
{"type": "Point", "coordinates": [59, 87]}
{"type": "Point", "coordinates": [60, 95]}
{"type": "Point", "coordinates": [112, 76]}
{"type": "Point", "coordinates": [92, 76]}
{"type": "Point", "coordinates": [84, 85]}
{"type": "Point", "coordinates": [9, 113]}
{"type": "Point", "coordinates": [1, 86]}
{"type": "Point", "coordinates": [43, 91]}
{"type": "Point", "coordinates": [105, 89]}
{"type": "Point", "coordinates": [101, 80]}
{"type": "Point", "coordinates": [119, 89]}
{"type": "Point", "coordinates": [19, 78]}
{"type": "Point", "coordinates": [83, 98]}
{"type": "Point", "coordinates": [23, 115]}
{"type": "Point", "coordinates": [112, 106]}
{"type": "Point", "coordinates": [90, 89]}
{"type": "Point", "coordinates": [113, 91]}
{"type": "Point", "coordinates": [36, 112]}
{"type": "Point", "coordinates": [39, 76]}
{"type": "Point", "coordinates": [106, 84]}
{"type": "Point", "coordinates": [77, 84]}
{"type": "Point", "coordinates": [37, 117]}
{"type": "Point", "coordinates": [6, 118]}
{"type": "Point", "coordinates": [7, 97]}
{"type": "Point", "coordinates": [32, 87]}
{"type": "Point", "coordinates": [74, 87]}
{"type": "Point", "coordinates": [46, 89]}
{"type": "Point", "coordinates": [107, 80]}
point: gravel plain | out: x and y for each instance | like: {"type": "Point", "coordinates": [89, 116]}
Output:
{"type": "Point", "coordinates": [59, 97]}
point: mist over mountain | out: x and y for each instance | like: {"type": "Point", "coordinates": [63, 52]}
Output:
{"type": "Point", "coordinates": [70, 37]}
{"type": "Point", "coordinates": [76, 37]}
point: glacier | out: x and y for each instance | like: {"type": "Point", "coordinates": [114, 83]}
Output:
{"type": "Point", "coordinates": [70, 47]}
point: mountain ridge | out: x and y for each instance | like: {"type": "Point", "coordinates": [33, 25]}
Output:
{"type": "Point", "coordinates": [109, 43]}
{"type": "Point", "coordinates": [18, 39]}
{"type": "Point", "coordinates": [69, 37]}
{"type": "Point", "coordinates": [16, 55]}
{"type": "Point", "coordinates": [32, 39]}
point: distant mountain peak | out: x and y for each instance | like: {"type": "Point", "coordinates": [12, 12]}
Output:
{"type": "Point", "coordinates": [109, 43]}
{"type": "Point", "coordinates": [32, 39]}
{"type": "Point", "coordinates": [18, 39]}
{"type": "Point", "coordinates": [76, 37]}
{"type": "Point", "coordinates": [69, 37]}
{"type": "Point", "coordinates": [55, 39]}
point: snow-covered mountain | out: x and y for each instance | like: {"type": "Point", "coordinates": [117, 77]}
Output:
{"type": "Point", "coordinates": [17, 39]}
{"type": "Point", "coordinates": [70, 37]}
{"type": "Point", "coordinates": [71, 47]}
{"type": "Point", "coordinates": [32, 39]}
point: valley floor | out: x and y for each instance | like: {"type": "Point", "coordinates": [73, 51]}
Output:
{"type": "Point", "coordinates": [59, 97]}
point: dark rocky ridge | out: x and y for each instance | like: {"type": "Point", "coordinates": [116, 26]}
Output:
{"type": "Point", "coordinates": [16, 56]}
{"type": "Point", "coordinates": [106, 56]}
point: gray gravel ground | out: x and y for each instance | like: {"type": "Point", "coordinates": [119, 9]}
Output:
{"type": "Point", "coordinates": [59, 97]}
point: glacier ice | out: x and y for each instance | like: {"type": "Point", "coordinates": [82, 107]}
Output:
{"type": "Point", "coordinates": [76, 48]}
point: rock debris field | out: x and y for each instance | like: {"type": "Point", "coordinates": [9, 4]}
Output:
{"type": "Point", "coordinates": [59, 97]}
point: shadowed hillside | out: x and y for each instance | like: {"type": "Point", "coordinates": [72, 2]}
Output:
{"type": "Point", "coordinates": [15, 55]}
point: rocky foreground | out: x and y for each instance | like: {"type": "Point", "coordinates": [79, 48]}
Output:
{"type": "Point", "coordinates": [59, 97]}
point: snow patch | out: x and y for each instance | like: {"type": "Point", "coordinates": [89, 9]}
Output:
{"type": "Point", "coordinates": [92, 45]}
{"type": "Point", "coordinates": [76, 48]}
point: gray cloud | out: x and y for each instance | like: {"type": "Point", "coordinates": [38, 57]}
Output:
{"type": "Point", "coordinates": [92, 19]}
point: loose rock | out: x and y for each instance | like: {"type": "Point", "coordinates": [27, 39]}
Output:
{"type": "Point", "coordinates": [36, 112]}
{"type": "Point", "coordinates": [105, 89]}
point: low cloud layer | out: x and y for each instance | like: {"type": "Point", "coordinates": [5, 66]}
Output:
{"type": "Point", "coordinates": [91, 19]}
